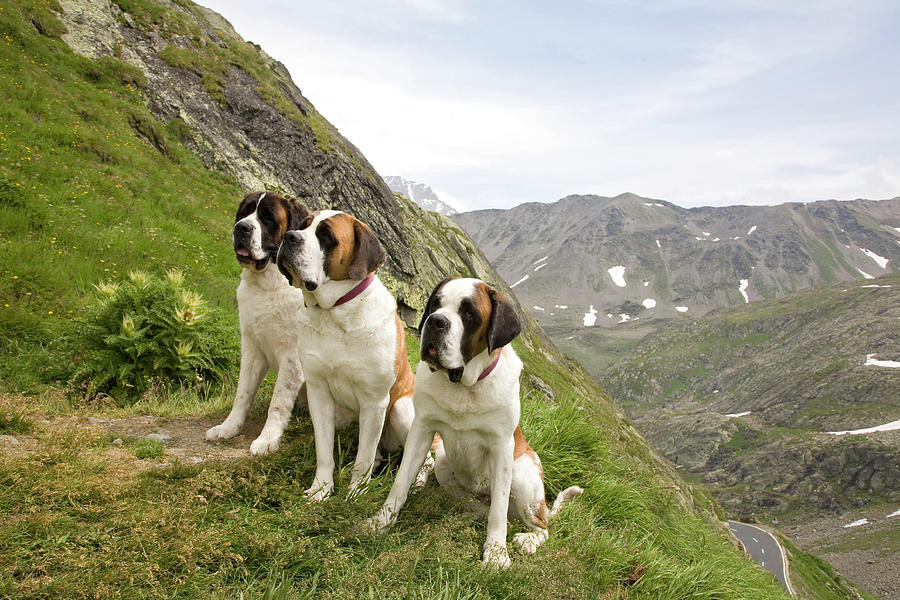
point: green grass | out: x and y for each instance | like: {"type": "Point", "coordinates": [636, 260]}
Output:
{"type": "Point", "coordinates": [148, 448]}
{"type": "Point", "coordinates": [91, 186]}
{"type": "Point", "coordinates": [81, 520]}
{"type": "Point", "coordinates": [14, 422]}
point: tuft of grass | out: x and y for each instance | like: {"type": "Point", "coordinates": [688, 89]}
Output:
{"type": "Point", "coordinates": [148, 448]}
{"type": "Point", "coordinates": [13, 422]}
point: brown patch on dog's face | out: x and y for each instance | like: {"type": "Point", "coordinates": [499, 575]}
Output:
{"type": "Point", "coordinates": [335, 237]}
{"type": "Point", "coordinates": [475, 313]}
{"type": "Point", "coordinates": [261, 221]}
{"type": "Point", "coordinates": [351, 249]}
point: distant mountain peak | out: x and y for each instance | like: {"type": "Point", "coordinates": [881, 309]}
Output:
{"type": "Point", "coordinates": [419, 193]}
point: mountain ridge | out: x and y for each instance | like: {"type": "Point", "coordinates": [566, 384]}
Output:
{"type": "Point", "coordinates": [420, 193]}
{"type": "Point", "coordinates": [615, 260]}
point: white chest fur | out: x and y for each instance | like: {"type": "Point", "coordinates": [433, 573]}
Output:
{"type": "Point", "coordinates": [268, 308]}
{"type": "Point", "coordinates": [471, 419]}
{"type": "Point", "coordinates": [351, 346]}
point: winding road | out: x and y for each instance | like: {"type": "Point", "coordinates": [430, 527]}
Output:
{"type": "Point", "coordinates": [764, 548]}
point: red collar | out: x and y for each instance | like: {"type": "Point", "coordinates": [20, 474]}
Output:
{"type": "Point", "coordinates": [356, 291]}
{"type": "Point", "coordinates": [490, 368]}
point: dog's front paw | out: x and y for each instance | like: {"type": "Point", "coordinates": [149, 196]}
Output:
{"type": "Point", "coordinates": [529, 542]}
{"type": "Point", "coordinates": [264, 445]}
{"type": "Point", "coordinates": [221, 432]}
{"type": "Point", "coordinates": [375, 524]}
{"type": "Point", "coordinates": [318, 492]}
{"type": "Point", "coordinates": [496, 556]}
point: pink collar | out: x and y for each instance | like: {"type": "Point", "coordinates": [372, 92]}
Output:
{"type": "Point", "coordinates": [490, 368]}
{"type": "Point", "coordinates": [356, 291]}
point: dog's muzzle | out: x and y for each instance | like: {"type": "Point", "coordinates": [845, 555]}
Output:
{"type": "Point", "coordinates": [287, 259]}
{"type": "Point", "coordinates": [433, 333]}
{"type": "Point", "coordinates": [241, 237]}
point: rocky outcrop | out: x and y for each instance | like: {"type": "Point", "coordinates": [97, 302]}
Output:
{"type": "Point", "coordinates": [240, 111]}
{"type": "Point", "coordinates": [817, 474]}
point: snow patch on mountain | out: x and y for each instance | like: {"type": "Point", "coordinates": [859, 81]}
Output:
{"type": "Point", "coordinates": [874, 362]}
{"type": "Point", "coordinates": [617, 274]}
{"type": "Point", "coordinates": [681, 309]}
{"type": "Point", "coordinates": [649, 303]}
{"type": "Point", "coordinates": [893, 425]}
{"type": "Point", "coordinates": [519, 281]}
{"type": "Point", "coordinates": [590, 317]}
{"type": "Point", "coordinates": [879, 260]}
{"type": "Point", "coordinates": [745, 283]}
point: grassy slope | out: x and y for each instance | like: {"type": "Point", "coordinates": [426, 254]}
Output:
{"type": "Point", "coordinates": [91, 186]}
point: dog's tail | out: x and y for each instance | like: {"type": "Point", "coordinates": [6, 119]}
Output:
{"type": "Point", "coordinates": [570, 493]}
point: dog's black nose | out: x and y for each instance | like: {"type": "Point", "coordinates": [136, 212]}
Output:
{"type": "Point", "coordinates": [438, 321]}
{"type": "Point", "coordinates": [292, 238]}
{"type": "Point", "coordinates": [243, 227]}
{"type": "Point", "coordinates": [311, 285]}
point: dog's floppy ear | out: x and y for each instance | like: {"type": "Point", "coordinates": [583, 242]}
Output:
{"type": "Point", "coordinates": [367, 251]}
{"type": "Point", "coordinates": [429, 306]}
{"type": "Point", "coordinates": [297, 214]}
{"type": "Point", "coordinates": [504, 325]}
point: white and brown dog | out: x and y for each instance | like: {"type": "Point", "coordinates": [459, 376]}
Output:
{"type": "Point", "coordinates": [268, 309]}
{"type": "Point", "coordinates": [354, 346]}
{"type": "Point", "coordinates": [467, 390]}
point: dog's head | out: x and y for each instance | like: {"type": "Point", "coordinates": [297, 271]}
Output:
{"type": "Point", "coordinates": [462, 319]}
{"type": "Point", "coordinates": [329, 246]}
{"type": "Point", "coordinates": [261, 222]}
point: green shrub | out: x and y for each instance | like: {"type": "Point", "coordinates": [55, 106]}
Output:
{"type": "Point", "coordinates": [150, 331]}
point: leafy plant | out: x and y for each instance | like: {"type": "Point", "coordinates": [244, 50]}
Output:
{"type": "Point", "coordinates": [148, 331]}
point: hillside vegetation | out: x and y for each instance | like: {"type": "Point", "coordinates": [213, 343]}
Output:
{"type": "Point", "coordinates": [793, 368]}
{"type": "Point", "coordinates": [98, 178]}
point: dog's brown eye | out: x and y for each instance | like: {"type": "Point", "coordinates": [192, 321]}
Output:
{"type": "Point", "coordinates": [467, 315]}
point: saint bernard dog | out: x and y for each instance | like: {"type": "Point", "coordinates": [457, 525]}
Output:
{"type": "Point", "coordinates": [268, 308]}
{"type": "Point", "coordinates": [354, 345]}
{"type": "Point", "coordinates": [467, 390]}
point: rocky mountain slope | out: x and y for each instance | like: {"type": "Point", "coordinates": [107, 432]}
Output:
{"type": "Point", "coordinates": [421, 194]}
{"type": "Point", "coordinates": [747, 396]}
{"type": "Point", "coordinates": [588, 261]}
{"type": "Point", "coordinates": [130, 129]}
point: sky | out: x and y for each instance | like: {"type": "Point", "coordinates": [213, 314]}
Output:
{"type": "Point", "coordinates": [698, 102]}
